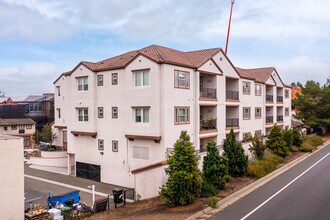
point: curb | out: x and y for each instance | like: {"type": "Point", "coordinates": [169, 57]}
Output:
{"type": "Point", "coordinates": [227, 201]}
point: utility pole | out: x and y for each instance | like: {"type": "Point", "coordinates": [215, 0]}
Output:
{"type": "Point", "coordinates": [231, 11]}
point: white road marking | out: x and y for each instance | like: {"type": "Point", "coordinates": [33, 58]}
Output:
{"type": "Point", "coordinates": [278, 192]}
{"type": "Point", "coordinates": [31, 200]}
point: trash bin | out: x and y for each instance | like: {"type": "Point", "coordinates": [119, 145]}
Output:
{"type": "Point", "coordinates": [117, 196]}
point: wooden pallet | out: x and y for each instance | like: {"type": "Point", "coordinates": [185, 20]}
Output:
{"type": "Point", "coordinates": [38, 214]}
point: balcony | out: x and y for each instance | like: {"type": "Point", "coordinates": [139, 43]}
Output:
{"type": "Point", "coordinates": [208, 124]}
{"type": "Point", "coordinates": [232, 122]}
{"type": "Point", "coordinates": [269, 98]}
{"type": "Point", "coordinates": [280, 118]}
{"type": "Point", "coordinates": [232, 95]}
{"type": "Point", "coordinates": [269, 119]}
{"type": "Point", "coordinates": [208, 93]}
{"type": "Point", "coordinates": [279, 99]}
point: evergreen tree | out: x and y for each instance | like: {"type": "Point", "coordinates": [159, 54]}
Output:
{"type": "Point", "coordinates": [296, 138]}
{"type": "Point", "coordinates": [234, 151]}
{"type": "Point", "coordinates": [257, 148]}
{"type": "Point", "coordinates": [184, 181]}
{"type": "Point", "coordinates": [288, 138]}
{"type": "Point", "coordinates": [276, 143]}
{"type": "Point", "coordinates": [47, 134]}
{"type": "Point", "coordinates": [215, 170]}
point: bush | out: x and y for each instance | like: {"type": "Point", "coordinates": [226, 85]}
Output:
{"type": "Point", "coordinates": [296, 138]}
{"type": "Point", "coordinates": [233, 150]}
{"type": "Point", "coordinates": [295, 149]}
{"type": "Point", "coordinates": [306, 147]}
{"type": "Point", "coordinates": [257, 148]}
{"type": "Point", "coordinates": [314, 141]}
{"type": "Point", "coordinates": [276, 143]}
{"type": "Point", "coordinates": [208, 189]}
{"type": "Point", "coordinates": [213, 202]}
{"type": "Point", "coordinates": [288, 138]}
{"type": "Point", "coordinates": [262, 167]}
{"type": "Point", "coordinates": [184, 182]}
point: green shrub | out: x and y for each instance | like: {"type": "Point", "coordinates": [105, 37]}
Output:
{"type": "Point", "coordinates": [276, 143]}
{"type": "Point", "coordinates": [288, 138]}
{"type": "Point", "coordinates": [234, 151]}
{"type": "Point", "coordinates": [275, 159]}
{"type": "Point", "coordinates": [257, 148]}
{"type": "Point", "coordinates": [314, 141]}
{"type": "Point", "coordinates": [294, 149]}
{"type": "Point", "coordinates": [212, 202]}
{"type": "Point", "coordinates": [297, 138]}
{"type": "Point", "coordinates": [306, 147]}
{"type": "Point", "coordinates": [262, 167]}
{"type": "Point", "coordinates": [208, 189]}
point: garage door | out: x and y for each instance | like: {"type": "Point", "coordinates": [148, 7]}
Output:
{"type": "Point", "coordinates": [88, 171]}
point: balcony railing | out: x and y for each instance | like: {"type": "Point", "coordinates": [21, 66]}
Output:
{"type": "Point", "coordinates": [269, 119]}
{"type": "Point", "coordinates": [269, 98]}
{"type": "Point", "coordinates": [232, 122]}
{"type": "Point", "coordinates": [208, 93]}
{"type": "Point", "coordinates": [279, 99]}
{"type": "Point", "coordinates": [280, 118]}
{"type": "Point", "coordinates": [208, 124]}
{"type": "Point", "coordinates": [233, 95]}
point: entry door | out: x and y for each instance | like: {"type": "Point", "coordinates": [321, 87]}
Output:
{"type": "Point", "coordinates": [88, 171]}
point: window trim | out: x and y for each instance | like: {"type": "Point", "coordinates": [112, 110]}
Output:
{"type": "Point", "coordinates": [58, 112]}
{"type": "Point", "coordinates": [83, 115]}
{"type": "Point", "coordinates": [285, 112]}
{"type": "Point", "coordinates": [255, 92]}
{"type": "Point", "coordinates": [84, 86]}
{"type": "Point", "coordinates": [58, 90]}
{"type": "Point", "coordinates": [114, 112]}
{"type": "Point", "coordinates": [176, 121]}
{"type": "Point", "coordinates": [140, 153]}
{"type": "Point", "coordinates": [247, 118]}
{"type": "Point", "coordinates": [176, 78]}
{"type": "Point", "coordinates": [246, 136]}
{"type": "Point", "coordinates": [114, 81]}
{"type": "Point", "coordinates": [13, 127]}
{"type": "Point", "coordinates": [114, 147]}
{"type": "Point", "coordinates": [100, 80]}
{"type": "Point", "coordinates": [142, 108]}
{"type": "Point", "coordinates": [255, 112]}
{"type": "Point", "coordinates": [249, 83]}
{"type": "Point", "coordinates": [100, 144]}
{"type": "Point", "coordinates": [100, 112]}
{"type": "Point", "coordinates": [285, 95]}
{"type": "Point", "coordinates": [142, 77]}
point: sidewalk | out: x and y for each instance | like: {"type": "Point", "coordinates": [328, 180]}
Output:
{"type": "Point", "coordinates": [103, 188]}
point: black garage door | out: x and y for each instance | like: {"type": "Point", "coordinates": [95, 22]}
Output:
{"type": "Point", "coordinates": [88, 171]}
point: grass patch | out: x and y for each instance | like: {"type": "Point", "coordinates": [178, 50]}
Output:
{"type": "Point", "coordinates": [212, 202]}
{"type": "Point", "coordinates": [262, 167]}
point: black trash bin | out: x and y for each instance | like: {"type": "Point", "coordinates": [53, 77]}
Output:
{"type": "Point", "coordinates": [117, 196]}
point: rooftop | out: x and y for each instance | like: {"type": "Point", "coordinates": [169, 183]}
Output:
{"type": "Point", "coordinates": [6, 137]}
{"type": "Point", "coordinates": [16, 121]}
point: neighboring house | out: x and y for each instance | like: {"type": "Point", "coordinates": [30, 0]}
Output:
{"type": "Point", "coordinates": [120, 117]}
{"type": "Point", "coordinates": [22, 127]}
{"type": "Point", "coordinates": [12, 177]}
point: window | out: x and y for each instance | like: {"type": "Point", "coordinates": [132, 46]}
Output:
{"type": "Point", "coordinates": [286, 111]}
{"type": "Point", "coordinates": [100, 112]}
{"type": "Point", "coordinates": [286, 93]}
{"type": "Point", "coordinates": [141, 78]}
{"type": "Point", "coordinates": [115, 146]}
{"type": "Point", "coordinates": [114, 112]}
{"type": "Point", "coordinates": [258, 90]}
{"type": "Point", "coordinates": [58, 90]}
{"type": "Point", "coordinates": [246, 113]}
{"type": "Point", "coordinates": [114, 78]}
{"type": "Point", "coordinates": [65, 136]}
{"type": "Point", "coordinates": [181, 115]}
{"type": "Point", "coordinates": [83, 114]}
{"type": "Point", "coordinates": [141, 153]}
{"type": "Point", "coordinates": [100, 80]}
{"type": "Point", "coordinates": [14, 127]}
{"type": "Point", "coordinates": [82, 83]}
{"type": "Point", "coordinates": [181, 79]}
{"type": "Point", "coordinates": [101, 144]}
{"type": "Point", "coordinates": [28, 126]}
{"type": "Point", "coordinates": [257, 133]}
{"type": "Point", "coordinates": [5, 128]}
{"type": "Point", "coordinates": [21, 127]}
{"type": "Point", "coordinates": [141, 115]}
{"type": "Point", "coordinates": [246, 136]}
{"type": "Point", "coordinates": [258, 112]}
{"type": "Point", "coordinates": [246, 88]}
{"type": "Point", "coordinates": [58, 112]}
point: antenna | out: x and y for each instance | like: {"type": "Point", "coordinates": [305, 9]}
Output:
{"type": "Point", "coordinates": [231, 11]}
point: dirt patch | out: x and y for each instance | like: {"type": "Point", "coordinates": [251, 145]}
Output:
{"type": "Point", "coordinates": [156, 209]}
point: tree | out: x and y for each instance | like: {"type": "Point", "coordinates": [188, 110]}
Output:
{"type": "Point", "coordinates": [215, 170]}
{"type": "Point", "coordinates": [276, 143]}
{"type": "Point", "coordinates": [297, 139]}
{"type": "Point", "coordinates": [299, 85]}
{"type": "Point", "coordinates": [257, 148]}
{"type": "Point", "coordinates": [36, 136]}
{"type": "Point", "coordinates": [233, 150]}
{"type": "Point", "coordinates": [288, 138]}
{"type": "Point", "coordinates": [293, 84]}
{"type": "Point", "coordinates": [47, 134]}
{"type": "Point", "coordinates": [184, 181]}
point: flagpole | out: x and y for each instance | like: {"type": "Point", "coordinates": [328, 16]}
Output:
{"type": "Point", "coordinates": [231, 11]}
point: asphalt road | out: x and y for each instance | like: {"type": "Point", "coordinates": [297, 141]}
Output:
{"type": "Point", "coordinates": [303, 192]}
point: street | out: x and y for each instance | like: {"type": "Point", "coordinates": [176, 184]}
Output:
{"type": "Point", "coordinates": [303, 192]}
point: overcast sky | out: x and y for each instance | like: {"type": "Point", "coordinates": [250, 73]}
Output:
{"type": "Point", "coordinates": [41, 39]}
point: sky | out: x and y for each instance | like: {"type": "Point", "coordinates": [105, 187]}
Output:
{"type": "Point", "coordinates": [41, 39]}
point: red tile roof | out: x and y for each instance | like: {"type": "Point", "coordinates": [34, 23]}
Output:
{"type": "Point", "coordinates": [258, 74]}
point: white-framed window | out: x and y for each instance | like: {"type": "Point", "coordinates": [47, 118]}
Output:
{"type": "Point", "coordinates": [257, 133]}
{"type": "Point", "coordinates": [287, 112]}
{"type": "Point", "coordinates": [246, 87]}
{"type": "Point", "coordinates": [58, 88]}
{"type": "Point", "coordinates": [115, 146]}
{"type": "Point", "coordinates": [83, 114]}
{"type": "Point", "coordinates": [286, 93]}
{"type": "Point", "coordinates": [100, 80]}
{"type": "Point", "coordinates": [28, 126]}
{"type": "Point", "coordinates": [257, 112]}
{"type": "Point", "coordinates": [182, 115]}
{"type": "Point", "coordinates": [114, 112]}
{"type": "Point", "coordinates": [82, 83]}
{"type": "Point", "coordinates": [141, 152]}
{"type": "Point", "coordinates": [100, 144]}
{"type": "Point", "coordinates": [58, 112]}
{"type": "Point", "coordinates": [246, 136]}
{"type": "Point", "coordinates": [100, 112]}
{"type": "Point", "coordinates": [181, 79]}
{"type": "Point", "coordinates": [141, 78]}
{"type": "Point", "coordinates": [246, 112]}
{"type": "Point", "coordinates": [141, 115]}
{"type": "Point", "coordinates": [114, 78]}
{"type": "Point", "coordinates": [258, 89]}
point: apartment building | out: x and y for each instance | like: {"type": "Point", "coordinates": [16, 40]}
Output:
{"type": "Point", "coordinates": [120, 117]}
